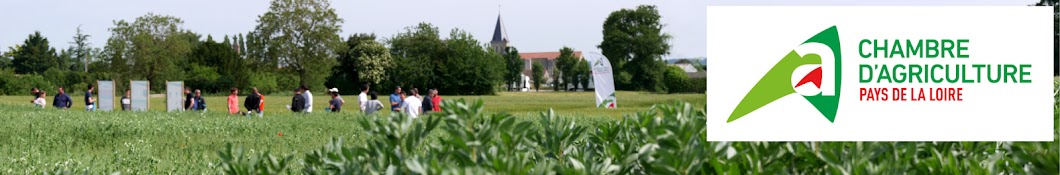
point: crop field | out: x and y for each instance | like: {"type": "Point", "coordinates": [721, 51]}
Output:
{"type": "Point", "coordinates": [467, 138]}
{"type": "Point", "coordinates": [516, 103]}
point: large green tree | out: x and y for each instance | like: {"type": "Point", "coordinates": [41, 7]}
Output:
{"type": "Point", "coordinates": [153, 47]}
{"type": "Point", "coordinates": [372, 61]}
{"type": "Point", "coordinates": [457, 65]}
{"type": "Point", "coordinates": [472, 67]}
{"type": "Point", "coordinates": [211, 57]}
{"type": "Point", "coordinates": [514, 65]}
{"type": "Point", "coordinates": [255, 52]}
{"type": "Point", "coordinates": [115, 62]}
{"type": "Point", "coordinates": [346, 75]}
{"type": "Point", "coordinates": [567, 63]}
{"type": "Point", "coordinates": [634, 43]}
{"type": "Point", "coordinates": [35, 55]}
{"type": "Point", "coordinates": [303, 35]}
{"type": "Point", "coordinates": [418, 53]}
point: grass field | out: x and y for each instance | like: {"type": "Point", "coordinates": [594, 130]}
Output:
{"type": "Point", "coordinates": [516, 103]}
{"type": "Point", "coordinates": [38, 140]}
{"type": "Point", "coordinates": [585, 141]}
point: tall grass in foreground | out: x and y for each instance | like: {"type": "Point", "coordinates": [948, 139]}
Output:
{"type": "Point", "coordinates": [666, 139]}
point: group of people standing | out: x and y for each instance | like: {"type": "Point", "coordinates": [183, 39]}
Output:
{"type": "Point", "coordinates": [254, 102]}
{"type": "Point", "coordinates": [412, 103]}
{"type": "Point", "coordinates": [194, 101]}
{"type": "Point", "coordinates": [408, 102]}
{"type": "Point", "coordinates": [63, 100]}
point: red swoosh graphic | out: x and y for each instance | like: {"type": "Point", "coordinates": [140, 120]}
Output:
{"type": "Point", "coordinates": [813, 77]}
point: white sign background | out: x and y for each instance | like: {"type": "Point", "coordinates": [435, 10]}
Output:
{"type": "Point", "coordinates": [743, 43]}
{"type": "Point", "coordinates": [174, 96]}
{"type": "Point", "coordinates": [140, 94]}
{"type": "Point", "coordinates": [106, 95]}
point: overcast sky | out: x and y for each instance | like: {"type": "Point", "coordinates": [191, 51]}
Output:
{"type": "Point", "coordinates": [532, 25]}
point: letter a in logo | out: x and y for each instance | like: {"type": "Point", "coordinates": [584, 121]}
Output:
{"type": "Point", "coordinates": [817, 64]}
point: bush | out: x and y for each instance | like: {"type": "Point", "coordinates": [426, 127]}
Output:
{"type": "Point", "coordinates": [71, 81]}
{"type": "Point", "coordinates": [264, 81]}
{"type": "Point", "coordinates": [203, 78]}
{"type": "Point", "coordinates": [57, 77]}
{"type": "Point", "coordinates": [287, 82]}
{"type": "Point", "coordinates": [697, 85]}
{"type": "Point", "coordinates": [14, 84]}
{"type": "Point", "coordinates": [677, 81]}
{"type": "Point", "coordinates": [20, 84]}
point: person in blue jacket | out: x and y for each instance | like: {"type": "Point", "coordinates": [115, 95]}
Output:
{"type": "Point", "coordinates": [200, 104]}
{"type": "Point", "coordinates": [62, 100]}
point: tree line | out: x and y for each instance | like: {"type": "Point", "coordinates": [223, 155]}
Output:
{"type": "Point", "coordinates": [297, 42]}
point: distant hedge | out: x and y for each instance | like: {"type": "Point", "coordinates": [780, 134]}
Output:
{"type": "Point", "coordinates": [20, 84]}
{"type": "Point", "coordinates": [677, 81]}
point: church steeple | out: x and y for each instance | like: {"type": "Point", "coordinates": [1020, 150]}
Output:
{"type": "Point", "coordinates": [500, 36]}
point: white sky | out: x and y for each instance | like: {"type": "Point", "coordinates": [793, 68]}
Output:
{"type": "Point", "coordinates": [532, 25]}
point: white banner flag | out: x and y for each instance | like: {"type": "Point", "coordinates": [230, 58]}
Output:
{"type": "Point", "coordinates": [603, 81]}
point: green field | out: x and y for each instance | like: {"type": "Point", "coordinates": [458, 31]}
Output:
{"type": "Point", "coordinates": [653, 140]}
{"type": "Point", "coordinates": [36, 140]}
{"type": "Point", "coordinates": [516, 103]}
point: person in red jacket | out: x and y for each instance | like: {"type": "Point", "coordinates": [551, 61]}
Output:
{"type": "Point", "coordinates": [436, 101]}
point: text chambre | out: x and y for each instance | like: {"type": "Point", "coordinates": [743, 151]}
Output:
{"type": "Point", "coordinates": [912, 94]}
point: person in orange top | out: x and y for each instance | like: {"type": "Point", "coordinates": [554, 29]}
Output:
{"type": "Point", "coordinates": [253, 102]}
{"type": "Point", "coordinates": [233, 102]}
{"type": "Point", "coordinates": [261, 106]}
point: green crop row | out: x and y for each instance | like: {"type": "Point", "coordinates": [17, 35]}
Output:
{"type": "Point", "coordinates": [667, 139]}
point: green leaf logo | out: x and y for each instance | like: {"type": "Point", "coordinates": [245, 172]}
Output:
{"type": "Point", "coordinates": [778, 82]}
{"type": "Point", "coordinates": [609, 102]}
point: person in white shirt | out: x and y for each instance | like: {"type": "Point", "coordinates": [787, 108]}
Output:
{"type": "Point", "coordinates": [308, 99]}
{"type": "Point", "coordinates": [126, 103]}
{"type": "Point", "coordinates": [362, 99]}
{"type": "Point", "coordinates": [39, 101]}
{"type": "Point", "coordinates": [413, 103]}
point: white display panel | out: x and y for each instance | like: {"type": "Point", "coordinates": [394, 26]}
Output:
{"type": "Point", "coordinates": [106, 95]}
{"type": "Point", "coordinates": [141, 92]}
{"type": "Point", "coordinates": [174, 98]}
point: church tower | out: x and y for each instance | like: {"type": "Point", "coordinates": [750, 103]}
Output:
{"type": "Point", "coordinates": [500, 37]}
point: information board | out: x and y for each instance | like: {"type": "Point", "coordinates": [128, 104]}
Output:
{"type": "Point", "coordinates": [140, 94]}
{"type": "Point", "coordinates": [174, 97]}
{"type": "Point", "coordinates": [105, 97]}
